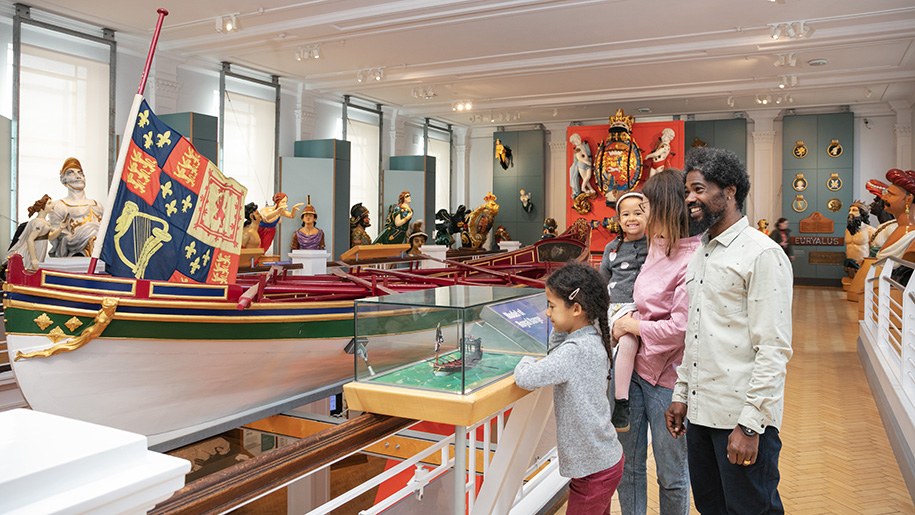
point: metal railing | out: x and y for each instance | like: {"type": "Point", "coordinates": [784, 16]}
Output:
{"type": "Point", "coordinates": [889, 320]}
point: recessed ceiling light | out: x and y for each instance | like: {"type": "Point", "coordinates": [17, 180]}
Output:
{"type": "Point", "coordinates": [820, 61]}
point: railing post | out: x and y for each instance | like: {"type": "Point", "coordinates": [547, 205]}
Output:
{"type": "Point", "coordinates": [907, 368]}
{"type": "Point", "coordinates": [883, 308]}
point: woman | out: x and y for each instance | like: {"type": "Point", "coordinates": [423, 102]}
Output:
{"type": "Point", "coordinates": [782, 236]}
{"type": "Point", "coordinates": [270, 218]}
{"type": "Point", "coordinates": [308, 237]}
{"type": "Point", "coordinates": [660, 323]}
{"type": "Point", "coordinates": [396, 225]}
{"type": "Point", "coordinates": [31, 240]}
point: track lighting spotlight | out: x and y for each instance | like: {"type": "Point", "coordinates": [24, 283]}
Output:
{"type": "Point", "coordinates": [227, 23]}
{"type": "Point", "coordinates": [791, 30]}
{"type": "Point", "coordinates": [462, 105]}
{"type": "Point", "coordinates": [376, 74]}
{"type": "Point", "coordinates": [308, 52]}
{"type": "Point", "coordinates": [731, 101]}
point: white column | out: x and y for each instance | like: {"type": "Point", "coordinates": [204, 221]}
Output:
{"type": "Point", "coordinates": [460, 187]}
{"type": "Point", "coordinates": [764, 168]}
{"type": "Point", "coordinates": [903, 109]}
{"type": "Point", "coordinates": [306, 117]}
{"type": "Point", "coordinates": [479, 166]}
{"type": "Point", "coordinates": [164, 85]}
{"type": "Point", "coordinates": [555, 201]}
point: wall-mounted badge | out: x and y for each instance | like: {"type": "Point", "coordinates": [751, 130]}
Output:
{"type": "Point", "coordinates": [834, 149]}
{"type": "Point", "coordinates": [834, 182]}
{"type": "Point", "coordinates": [800, 150]}
{"type": "Point", "coordinates": [800, 204]}
{"type": "Point", "coordinates": [834, 205]}
{"type": "Point", "coordinates": [799, 183]}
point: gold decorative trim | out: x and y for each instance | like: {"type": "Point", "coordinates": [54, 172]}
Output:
{"type": "Point", "coordinates": [799, 183]}
{"type": "Point", "coordinates": [143, 317]}
{"type": "Point", "coordinates": [73, 324]}
{"type": "Point", "coordinates": [45, 273]}
{"type": "Point", "coordinates": [834, 182]}
{"type": "Point", "coordinates": [834, 149]}
{"type": "Point", "coordinates": [799, 205]}
{"type": "Point", "coordinates": [53, 292]}
{"type": "Point", "coordinates": [800, 150]}
{"type": "Point", "coordinates": [834, 205]}
{"type": "Point", "coordinates": [43, 321]}
{"type": "Point", "coordinates": [102, 319]}
{"type": "Point", "coordinates": [57, 334]}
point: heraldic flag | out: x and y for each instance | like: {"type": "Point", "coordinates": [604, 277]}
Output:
{"type": "Point", "coordinates": [175, 217]}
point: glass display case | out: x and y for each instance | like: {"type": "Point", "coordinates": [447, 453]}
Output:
{"type": "Point", "coordinates": [453, 339]}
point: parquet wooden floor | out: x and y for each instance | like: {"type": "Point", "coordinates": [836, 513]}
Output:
{"type": "Point", "coordinates": [835, 457]}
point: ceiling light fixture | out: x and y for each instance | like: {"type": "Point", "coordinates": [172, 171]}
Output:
{"type": "Point", "coordinates": [791, 30]}
{"type": "Point", "coordinates": [731, 101]}
{"type": "Point", "coordinates": [789, 60]}
{"type": "Point", "coordinates": [376, 74]}
{"type": "Point", "coordinates": [227, 23]}
{"type": "Point", "coordinates": [462, 105]}
{"type": "Point", "coordinates": [425, 93]}
{"type": "Point", "coordinates": [787, 81]}
{"type": "Point", "coordinates": [308, 52]}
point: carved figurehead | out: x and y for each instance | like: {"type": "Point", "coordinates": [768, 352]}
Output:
{"type": "Point", "coordinates": [417, 238]}
{"type": "Point", "coordinates": [76, 217]}
{"type": "Point", "coordinates": [479, 222]}
{"type": "Point", "coordinates": [359, 219]}
{"type": "Point", "coordinates": [250, 238]}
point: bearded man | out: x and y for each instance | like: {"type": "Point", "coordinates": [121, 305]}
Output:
{"type": "Point", "coordinates": [75, 216]}
{"type": "Point", "coordinates": [858, 234]}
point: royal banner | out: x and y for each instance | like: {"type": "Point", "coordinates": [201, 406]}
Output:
{"type": "Point", "coordinates": [175, 217]}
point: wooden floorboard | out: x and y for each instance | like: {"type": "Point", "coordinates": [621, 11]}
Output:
{"type": "Point", "coordinates": [835, 458]}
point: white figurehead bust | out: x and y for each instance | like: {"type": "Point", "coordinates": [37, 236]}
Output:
{"type": "Point", "coordinates": [75, 216]}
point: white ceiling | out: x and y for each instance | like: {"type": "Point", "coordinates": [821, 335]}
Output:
{"type": "Point", "coordinates": [525, 61]}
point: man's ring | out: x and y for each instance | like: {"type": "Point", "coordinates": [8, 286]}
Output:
{"type": "Point", "coordinates": [746, 462]}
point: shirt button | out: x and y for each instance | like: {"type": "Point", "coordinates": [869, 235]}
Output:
{"type": "Point", "coordinates": [706, 254]}
{"type": "Point", "coordinates": [700, 281]}
{"type": "Point", "coordinates": [694, 364]}
{"type": "Point", "coordinates": [694, 392]}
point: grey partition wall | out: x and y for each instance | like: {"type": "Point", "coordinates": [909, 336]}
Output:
{"type": "Point", "coordinates": [415, 174]}
{"type": "Point", "coordinates": [727, 134]}
{"type": "Point", "coordinates": [320, 168]}
{"type": "Point", "coordinates": [527, 172]}
{"type": "Point", "coordinates": [202, 130]}
{"type": "Point", "coordinates": [6, 204]}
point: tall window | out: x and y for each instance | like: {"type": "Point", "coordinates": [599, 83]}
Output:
{"type": "Point", "coordinates": [63, 113]}
{"type": "Point", "coordinates": [364, 139]}
{"type": "Point", "coordinates": [441, 151]}
{"type": "Point", "coordinates": [248, 147]}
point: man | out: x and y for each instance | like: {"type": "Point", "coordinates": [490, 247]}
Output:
{"type": "Point", "coordinates": [75, 216]}
{"type": "Point", "coordinates": [731, 383]}
{"type": "Point", "coordinates": [858, 233]}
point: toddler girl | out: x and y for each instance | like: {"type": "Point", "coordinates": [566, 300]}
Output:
{"type": "Point", "coordinates": [621, 266]}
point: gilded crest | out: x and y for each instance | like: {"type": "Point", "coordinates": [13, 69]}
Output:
{"type": "Point", "coordinates": [834, 182]}
{"type": "Point", "coordinates": [799, 205]}
{"type": "Point", "coordinates": [834, 205]}
{"type": "Point", "coordinates": [834, 149]}
{"type": "Point", "coordinates": [800, 149]}
{"type": "Point", "coordinates": [799, 183]}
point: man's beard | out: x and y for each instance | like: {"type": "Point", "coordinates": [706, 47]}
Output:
{"type": "Point", "coordinates": [708, 219]}
{"type": "Point", "coordinates": [854, 224]}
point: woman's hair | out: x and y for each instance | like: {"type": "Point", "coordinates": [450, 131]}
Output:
{"type": "Point", "coordinates": [278, 196]}
{"type": "Point", "coordinates": [667, 206]}
{"type": "Point", "coordinates": [39, 205]}
{"type": "Point", "coordinates": [580, 283]}
{"type": "Point", "coordinates": [402, 196]}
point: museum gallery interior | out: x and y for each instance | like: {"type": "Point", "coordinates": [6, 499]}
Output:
{"type": "Point", "coordinates": [290, 257]}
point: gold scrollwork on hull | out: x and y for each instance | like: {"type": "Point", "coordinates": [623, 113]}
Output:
{"type": "Point", "coordinates": [101, 321]}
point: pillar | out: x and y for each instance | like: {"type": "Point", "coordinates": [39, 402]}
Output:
{"type": "Point", "coordinates": [555, 201]}
{"type": "Point", "coordinates": [903, 129]}
{"type": "Point", "coordinates": [764, 199]}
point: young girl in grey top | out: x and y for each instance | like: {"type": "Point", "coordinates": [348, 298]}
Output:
{"type": "Point", "coordinates": [577, 366]}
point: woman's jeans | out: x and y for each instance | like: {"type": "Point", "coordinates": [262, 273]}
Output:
{"type": "Point", "coordinates": [647, 404]}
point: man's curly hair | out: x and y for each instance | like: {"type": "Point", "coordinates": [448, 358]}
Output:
{"type": "Point", "coordinates": [721, 167]}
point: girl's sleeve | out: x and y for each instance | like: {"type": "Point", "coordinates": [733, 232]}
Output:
{"type": "Point", "coordinates": [556, 368]}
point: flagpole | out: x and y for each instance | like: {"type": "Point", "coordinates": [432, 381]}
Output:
{"type": "Point", "coordinates": [125, 143]}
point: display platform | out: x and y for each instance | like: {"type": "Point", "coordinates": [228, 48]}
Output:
{"type": "Point", "coordinates": [444, 408]}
